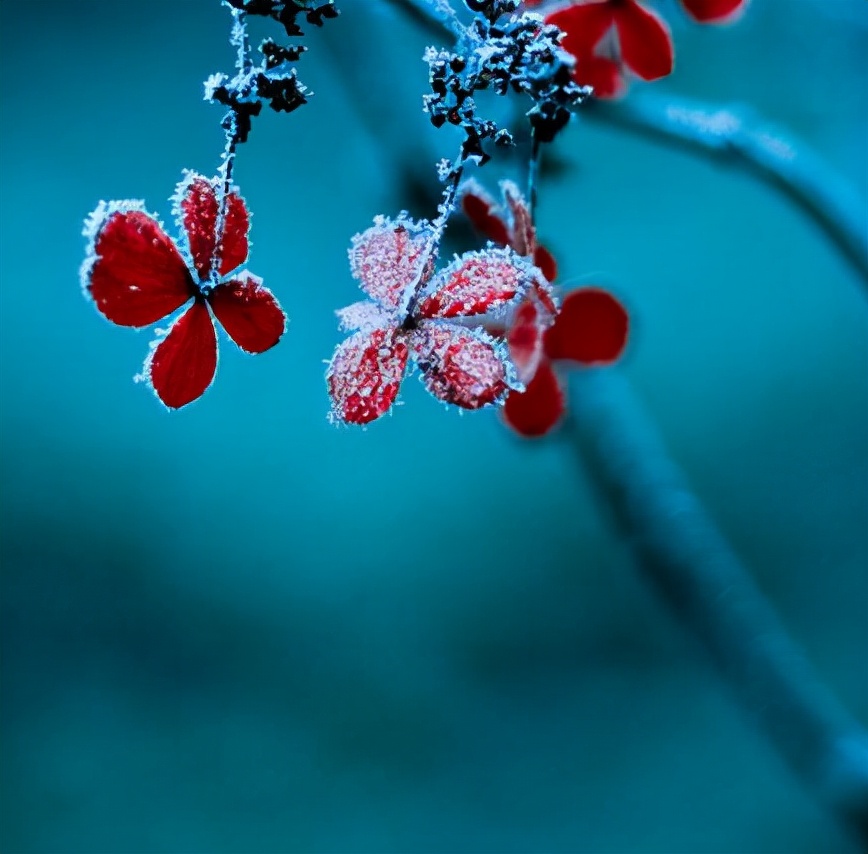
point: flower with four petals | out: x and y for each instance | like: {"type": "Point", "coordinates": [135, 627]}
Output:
{"type": "Point", "coordinates": [589, 328]}
{"type": "Point", "coordinates": [414, 313]}
{"type": "Point", "coordinates": [137, 275]}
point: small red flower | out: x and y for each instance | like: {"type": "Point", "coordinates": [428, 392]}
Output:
{"type": "Point", "coordinates": [136, 276]}
{"type": "Point", "coordinates": [603, 35]}
{"type": "Point", "coordinates": [590, 327]}
{"type": "Point", "coordinates": [415, 313]}
{"type": "Point", "coordinates": [607, 36]}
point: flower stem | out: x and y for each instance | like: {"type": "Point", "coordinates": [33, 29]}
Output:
{"type": "Point", "coordinates": [243, 64]}
{"type": "Point", "coordinates": [532, 173]}
{"type": "Point", "coordinates": [432, 247]}
{"type": "Point", "coordinates": [695, 572]}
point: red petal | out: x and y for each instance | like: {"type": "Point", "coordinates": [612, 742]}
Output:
{"type": "Point", "coordinates": [365, 375]}
{"type": "Point", "coordinates": [534, 411]}
{"type": "Point", "coordinates": [714, 11]}
{"type": "Point", "coordinates": [476, 283]}
{"type": "Point", "coordinates": [234, 247]}
{"type": "Point", "coordinates": [602, 73]}
{"type": "Point", "coordinates": [525, 341]}
{"type": "Point", "coordinates": [197, 202]}
{"type": "Point", "coordinates": [591, 328]}
{"type": "Point", "coordinates": [479, 208]}
{"type": "Point", "coordinates": [544, 259]}
{"type": "Point", "coordinates": [388, 258]}
{"type": "Point", "coordinates": [646, 46]}
{"type": "Point", "coordinates": [135, 274]}
{"type": "Point", "coordinates": [183, 364]}
{"type": "Point", "coordinates": [584, 24]}
{"type": "Point", "coordinates": [458, 365]}
{"type": "Point", "coordinates": [249, 313]}
{"type": "Point", "coordinates": [523, 232]}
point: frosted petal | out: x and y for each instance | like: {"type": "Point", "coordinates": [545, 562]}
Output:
{"type": "Point", "coordinates": [133, 271]}
{"type": "Point", "coordinates": [249, 313]}
{"type": "Point", "coordinates": [365, 374]}
{"type": "Point", "coordinates": [523, 233]}
{"type": "Point", "coordinates": [196, 208]}
{"type": "Point", "coordinates": [390, 257]}
{"type": "Point", "coordinates": [364, 315]}
{"type": "Point", "coordinates": [461, 366]}
{"type": "Point", "coordinates": [478, 283]}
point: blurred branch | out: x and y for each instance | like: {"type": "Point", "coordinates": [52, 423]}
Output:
{"type": "Point", "coordinates": [694, 570]}
{"type": "Point", "coordinates": [736, 136]}
{"type": "Point", "coordinates": [732, 135]}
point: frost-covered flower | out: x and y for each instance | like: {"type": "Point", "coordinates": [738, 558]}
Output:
{"type": "Point", "coordinates": [589, 328]}
{"type": "Point", "coordinates": [137, 275]}
{"type": "Point", "coordinates": [415, 313]}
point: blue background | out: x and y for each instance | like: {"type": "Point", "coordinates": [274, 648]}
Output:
{"type": "Point", "coordinates": [236, 628]}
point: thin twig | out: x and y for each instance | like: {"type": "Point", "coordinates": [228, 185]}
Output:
{"type": "Point", "coordinates": [692, 567]}
{"type": "Point", "coordinates": [243, 65]}
{"type": "Point", "coordinates": [533, 174]}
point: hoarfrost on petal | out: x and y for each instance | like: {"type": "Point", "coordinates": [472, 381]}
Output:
{"type": "Point", "coordinates": [461, 366]}
{"type": "Point", "coordinates": [523, 234]}
{"type": "Point", "coordinates": [365, 373]}
{"type": "Point", "coordinates": [390, 257]}
{"type": "Point", "coordinates": [196, 206]}
{"type": "Point", "coordinates": [365, 315]}
{"type": "Point", "coordinates": [478, 283]}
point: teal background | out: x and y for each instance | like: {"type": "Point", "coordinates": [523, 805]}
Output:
{"type": "Point", "coordinates": [236, 628]}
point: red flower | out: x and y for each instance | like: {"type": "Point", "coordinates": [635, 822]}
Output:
{"type": "Point", "coordinates": [603, 35]}
{"type": "Point", "coordinates": [413, 312]}
{"type": "Point", "coordinates": [590, 327]}
{"type": "Point", "coordinates": [136, 276]}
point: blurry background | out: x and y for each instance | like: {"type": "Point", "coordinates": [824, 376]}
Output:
{"type": "Point", "coordinates": [236, 628]}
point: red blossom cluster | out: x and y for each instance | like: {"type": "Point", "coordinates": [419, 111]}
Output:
{"type": "Point", "coordinates": [589, 328]}
{"type": "Point", "coordinates": [610, 37]}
